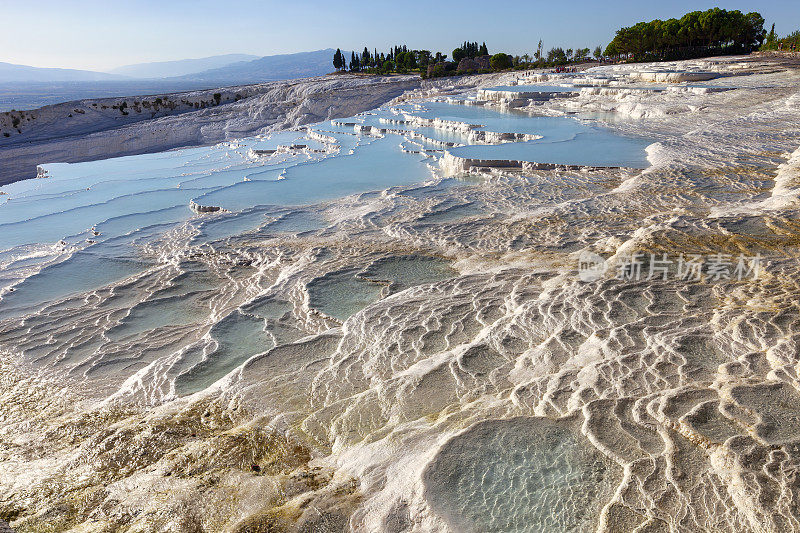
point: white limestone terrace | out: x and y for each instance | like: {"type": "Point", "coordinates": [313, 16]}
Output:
{"type": "Point", "coordinates": [86, 130]}
{"type": "Point", "coordinates": [474, 135]}
{"type": "Point", "coordinates": [614, 405]}
{"type": "Point", "coordinates": [641, 90]}
{"type": "Point", "coordinates": [92, 129]}
{"type": "Point", "coordinates": [522, 95]}
{"type": "Point", "coordinates": [687, 71]}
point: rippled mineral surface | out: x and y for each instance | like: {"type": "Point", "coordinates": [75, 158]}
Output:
{"type": "Point", "coordinates": [385, 322]}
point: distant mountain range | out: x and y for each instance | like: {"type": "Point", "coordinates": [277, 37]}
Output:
{"type": "Point", "coordinates": [183, 67]}
{"type": "Point", "coordinates": [269, 68]}
{"type": "Point", "coordinates": [231, 69]}
{"type": "Point", "coordinates": [22, 73]}
{"type": "Point", "coordinates": [23, 87]}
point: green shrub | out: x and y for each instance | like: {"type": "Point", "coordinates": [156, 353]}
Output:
{"type": "Point", "coordinates": [501, 61]}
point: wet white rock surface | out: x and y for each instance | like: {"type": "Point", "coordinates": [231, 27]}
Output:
{"type": "Point", "coordinates": [190, 376]}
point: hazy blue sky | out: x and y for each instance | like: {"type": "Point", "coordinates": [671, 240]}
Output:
{"type": "Point", "coordinates": [98, 35]}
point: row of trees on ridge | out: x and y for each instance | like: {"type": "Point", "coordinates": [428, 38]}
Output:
{"type": "Point", "coordinates": [699, 33]}
{"type": "Point", "coordinates": [398, 59]}
{"type": "Point", "coordinates": [403, 60]}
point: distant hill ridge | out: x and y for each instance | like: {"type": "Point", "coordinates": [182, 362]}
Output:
{"type": "Point", "coordinates": [182, 67]}
{"type": "Point", "coordinates": [10, 72]}
{"type": "Point", "coordinates": [232, 69]}
{"type": "Point", "coordinates": [270, 68]}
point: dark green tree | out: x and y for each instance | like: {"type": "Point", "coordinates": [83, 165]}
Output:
{"type": "Point", "coordinates": [772, 39]}
{"type": "Point", "coordinates": [406, 60]}
{"type": "Point", "coordinates": [753, 30]}
{"type": "Point", "coordinates": [557, 56]}
{"type": "Point", "coordinates": [338, 60]}
{"type": "Point", "coordinates": [501, 61]}
{"type": "Point", "coordinates": [466, 50]}
{"type": "Point", "coordinates": [696, 33]}
{"type": "Point", "coordinates": [424, 58]}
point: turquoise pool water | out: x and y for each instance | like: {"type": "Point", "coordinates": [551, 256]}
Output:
{"type": "Point", "coordinates": [587, 148]}
{"type": "Point", "coordinates": [112, 208]}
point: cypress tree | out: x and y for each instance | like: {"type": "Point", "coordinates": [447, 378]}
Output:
{"type": "Point", "coordinates": [337, 59]}
{"type": "Point", "coordinates": [772, 39]}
